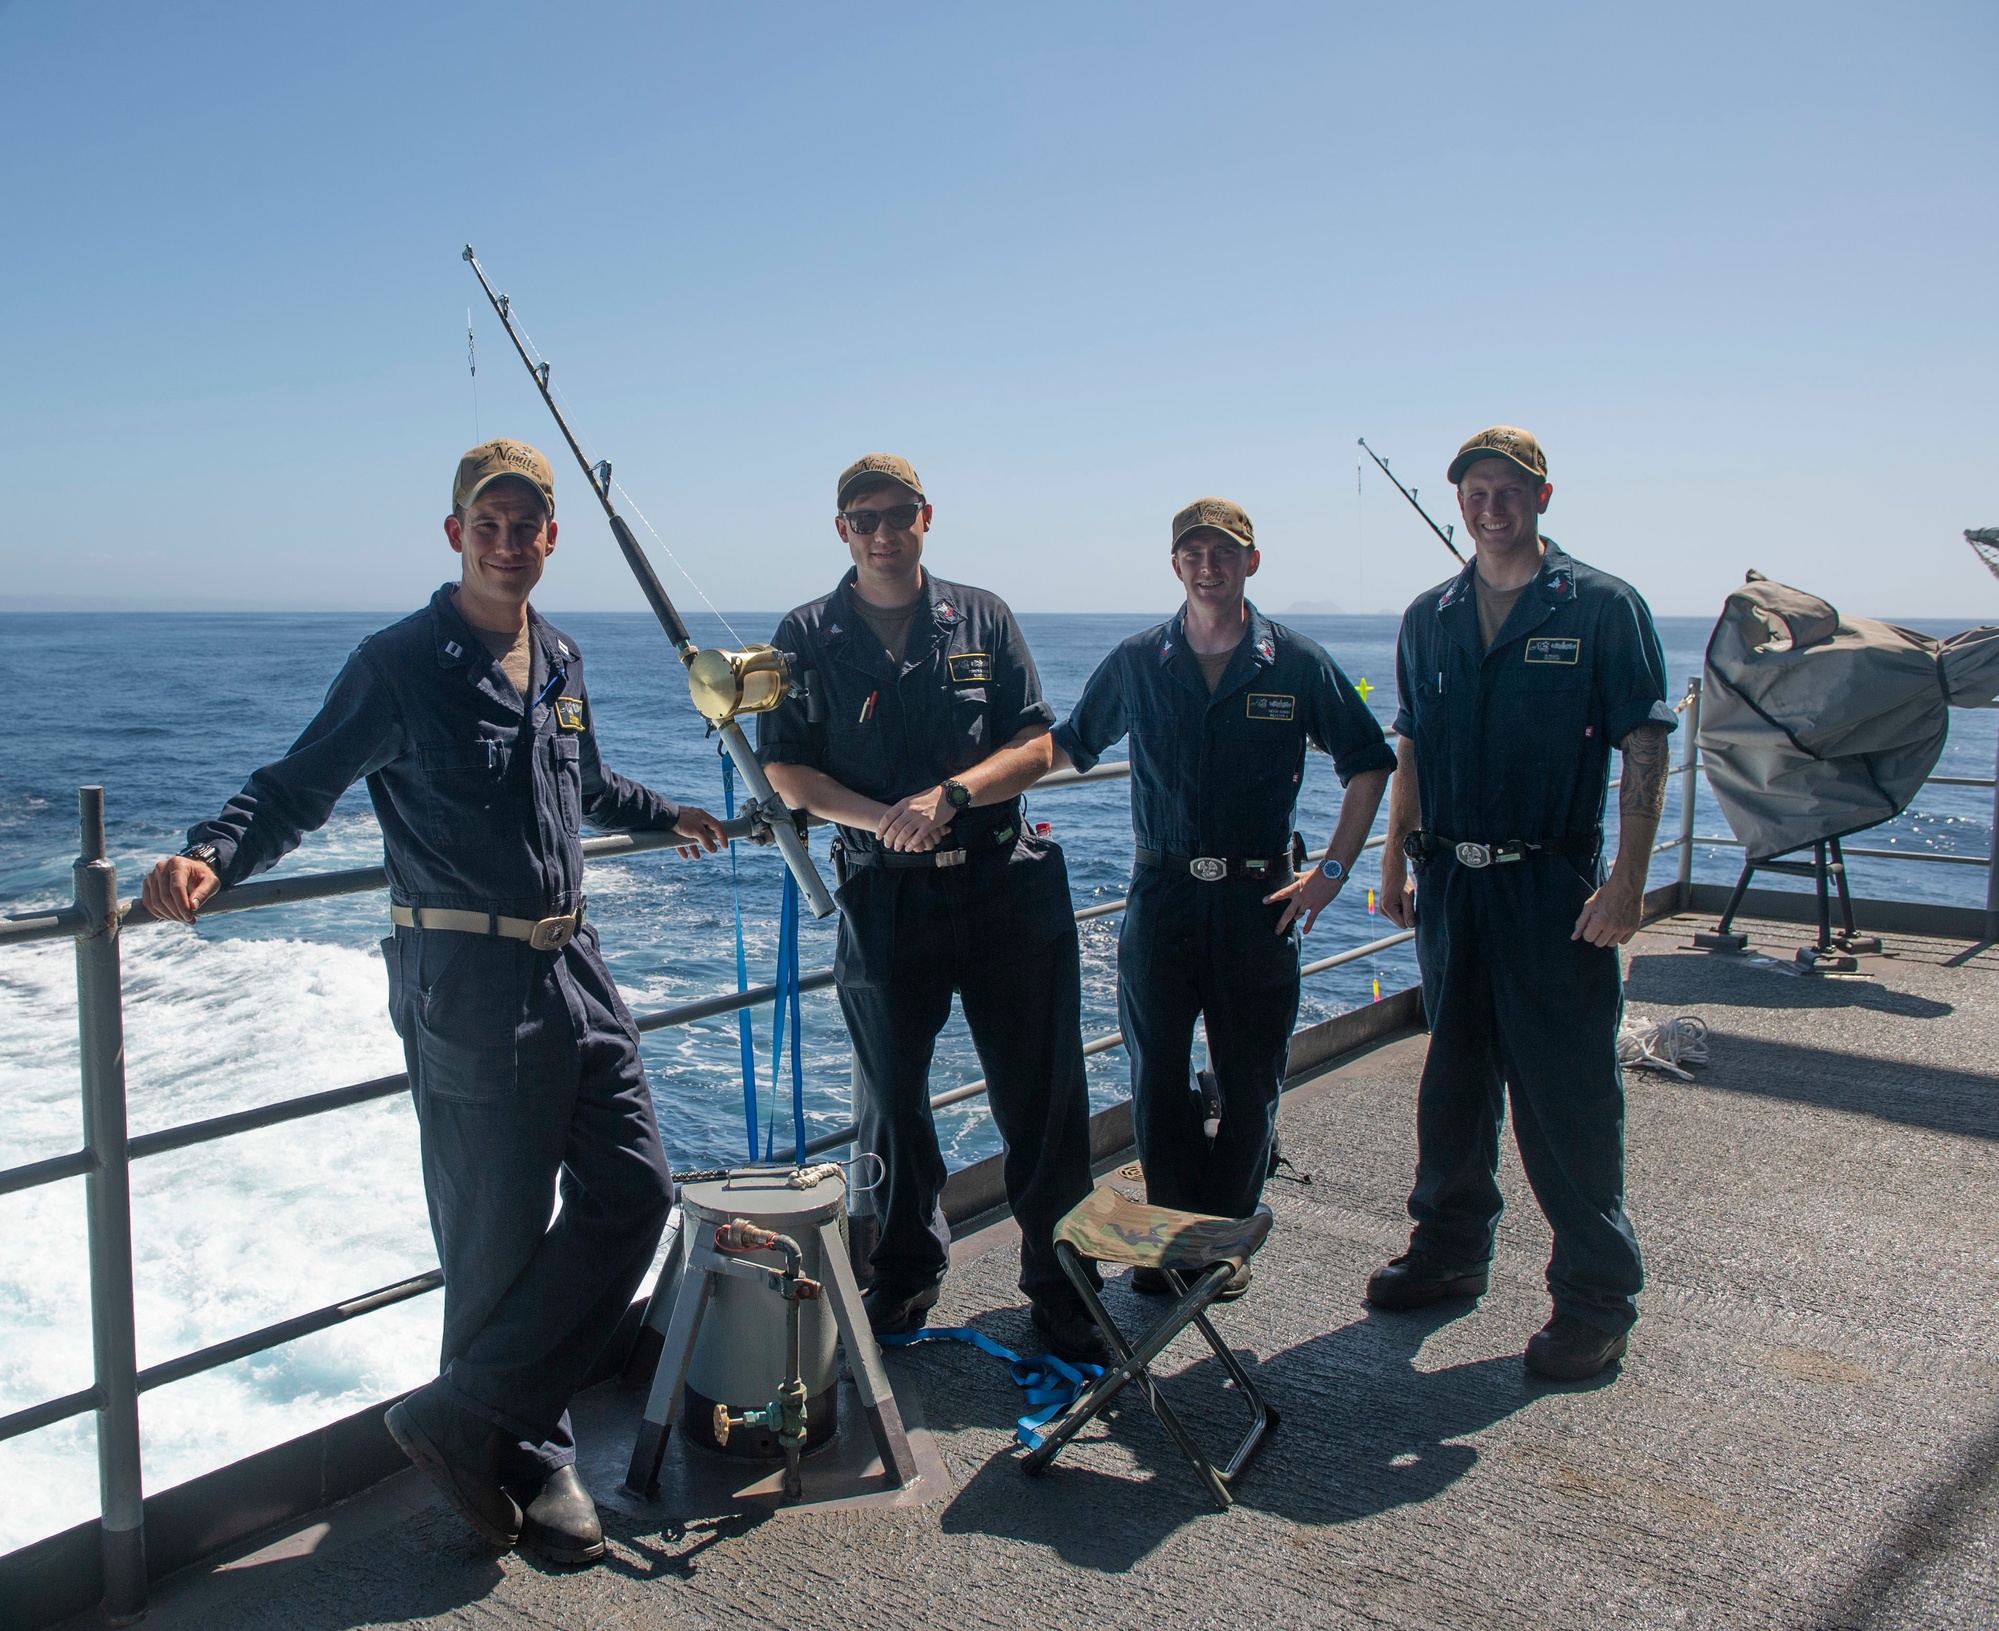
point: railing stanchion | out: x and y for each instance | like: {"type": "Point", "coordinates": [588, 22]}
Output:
{"type": "Point", "coordinates": [108, 1196]}
{"type": "Point", "coordinates": [1690, 779]}
{"type": "Point", "coordinates": [1992, 862]}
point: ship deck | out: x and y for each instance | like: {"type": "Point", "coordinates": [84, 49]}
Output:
{"type": "Point", "coordinates": [1805, 1432]}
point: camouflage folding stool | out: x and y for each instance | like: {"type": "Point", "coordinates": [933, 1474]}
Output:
{"type": "Point", "coordinates": [1183, 1245]}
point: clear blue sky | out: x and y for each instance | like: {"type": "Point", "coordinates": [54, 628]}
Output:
{"type": "Point", "coordinates": [1735, 264]}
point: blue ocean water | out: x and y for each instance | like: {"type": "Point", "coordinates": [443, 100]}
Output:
{"type": "Point", "coordinates": [170, 712]}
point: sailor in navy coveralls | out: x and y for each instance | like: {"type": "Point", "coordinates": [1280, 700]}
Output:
{"type": "Point", "coordinates": [471, 724]}
{"type": "Point", "coordinates": [1517, 678]}
{"type": "Point", "coordinates": [925, 723]}
{"type": "Point", "coordinates": [1220, 704]}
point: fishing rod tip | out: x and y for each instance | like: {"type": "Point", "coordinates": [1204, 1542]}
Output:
{"type": "Point", "coordinates": [468, 253]}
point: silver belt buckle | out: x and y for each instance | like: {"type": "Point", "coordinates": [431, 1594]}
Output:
{"type": "Point", "coordinates": [553, 933]}
{"type": "Point", "coordinates": [951, 857]}
{"type": "Point", "coordinates": [1474, 855]}
{"type": "Point", "coordinates": [1208, 868]}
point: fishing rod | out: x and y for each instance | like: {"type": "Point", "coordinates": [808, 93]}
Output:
{"type": "Point", "coordinates": [722, 684]}
{"type": "Point", "coordinates": [1410, 494]}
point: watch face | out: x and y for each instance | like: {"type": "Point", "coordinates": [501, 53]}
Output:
{"type": "Point", "coordinates": [957, 795]}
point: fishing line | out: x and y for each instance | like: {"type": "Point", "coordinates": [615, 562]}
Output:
{"type": "Point", "coordinates": [541, 357]}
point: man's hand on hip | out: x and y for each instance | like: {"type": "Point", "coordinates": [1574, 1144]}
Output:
{"type": "Point", "coordinates": [1611, 915]}
{"type": "Point", "coordinates": [1304, 897]}
{"type": "Point", "coordinates": [177, 888]}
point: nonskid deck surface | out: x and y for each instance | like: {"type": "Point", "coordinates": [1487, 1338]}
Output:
{"type": "Point", "coordinates": [1806, 1432]}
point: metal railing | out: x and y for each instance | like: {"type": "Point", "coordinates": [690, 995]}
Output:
{"type": "Point", "coordinates": [95, 920]}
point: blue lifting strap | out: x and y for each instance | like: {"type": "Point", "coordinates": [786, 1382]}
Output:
{"type": "Point", "coordinates": [1051, 1384]}
{"type": "Point", "coordinates": [787, 997]}
{"type": "Point", "coordinates": [744, 1034]}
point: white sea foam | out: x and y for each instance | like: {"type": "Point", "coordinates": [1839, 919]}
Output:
{"type": "Point", "coordinates": [228, 1236]}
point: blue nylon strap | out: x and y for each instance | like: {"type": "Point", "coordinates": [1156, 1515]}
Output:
{"type": "Point", "coordinates": [1051, 1384]}
{"type": "Point", "coordinates": [744, 1033]}
{"type": "Point", "coordinates": [787, 997]}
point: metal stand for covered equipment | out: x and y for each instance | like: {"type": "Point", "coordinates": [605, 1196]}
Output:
{"type": "Point", "coordinates": [687, 1281]}
{"type": "Point", "coordinates": [1832, 953]}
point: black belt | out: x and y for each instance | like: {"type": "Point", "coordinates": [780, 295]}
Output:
{"type": "Point", "coordinates": [1214, 868]}
{"type": "Point", "coordinates": [848, 857]}
{"type": "Point", "coordinates": [1420, 846]}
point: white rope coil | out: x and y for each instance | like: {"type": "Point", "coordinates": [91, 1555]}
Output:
{"type": "Point", "coordinates": [1665, 1045]}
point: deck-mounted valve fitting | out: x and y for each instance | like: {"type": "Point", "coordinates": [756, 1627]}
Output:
{"type": "Point", "coordinates": [724, 684]}
{"type": "Point", "coordinates": [784, 1416]}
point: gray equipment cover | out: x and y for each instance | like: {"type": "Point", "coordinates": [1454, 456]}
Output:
{"type": "Point", "coordinates": [1815, 725]}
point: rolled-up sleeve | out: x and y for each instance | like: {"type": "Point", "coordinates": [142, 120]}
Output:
{"type": "Point", "coordinates": [1017, 702]}
{"type": "Point", "coordinates": [1631, 670]}
{"type": "Point", "coordinates": [357, 730]}
{"type": "Point", "coordinates": [1405, 696]}
{"type": "Point", "coordinates": [786, 734]}
{"type": "Point", "coordinates": [1344, 726]}
{"type": "Point", "coordinates": [1099, 718]}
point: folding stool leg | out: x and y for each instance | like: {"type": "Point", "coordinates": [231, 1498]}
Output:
{"type": "Point", "coordinates": [1264, 1416]}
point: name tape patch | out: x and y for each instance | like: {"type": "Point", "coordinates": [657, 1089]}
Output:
{"type": "Point", "coordinates": [1546, 648]}
{"type": "Point", "coordinates": [1265, 705]}
{"type": "Point", "coordinates": [569, 713]}
{"type": "Point", "coordinates": [971, 668]}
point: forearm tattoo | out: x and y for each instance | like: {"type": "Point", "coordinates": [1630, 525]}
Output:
{"type": "Point", "coordinates": [1642, 794]}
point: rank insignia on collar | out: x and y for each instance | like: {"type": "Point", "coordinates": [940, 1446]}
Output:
{"type": "Point", "coordinates": [453, 649]}
{"type": "Point", "coordinates": [1165, 650]}
{"type": "Point", "coordinates": [569, 713]}
{"type": "Point", "coordinates": [834, 631]}
{"type": "Point", "coordinates": [1562, 584]}
{"type": "Point", "coordinates": [946, 612]}
{"type": "Point", "coordinates": [1266, 651]}
{"type": "Point", "coordinates": [1451, 594]}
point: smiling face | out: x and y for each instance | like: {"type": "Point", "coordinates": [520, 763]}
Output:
{"type": "Point", "coordinates": [1502, 506]}
{"type": "Point", "coordinates": [505, 536]}
{"type": "Point", "coordinates": [886, 560]}
{"type": "Point", "coordinates": [1212, 567]}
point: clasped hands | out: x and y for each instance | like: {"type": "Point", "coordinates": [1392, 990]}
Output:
{"type": "Point", "coordinates": [915, 824]}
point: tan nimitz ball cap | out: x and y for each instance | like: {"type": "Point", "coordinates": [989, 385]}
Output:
{"type": "Point", "coordinates": [489, 461]}
{"type": "Point", "coordinates": [878, 464]}
{"type": "Point", "coordinates": [1506, 442]}
{"type": "Point", "coordinates": [1218, 513]}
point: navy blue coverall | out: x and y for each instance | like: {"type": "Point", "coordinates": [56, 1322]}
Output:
{"type": "Point", "coordinates": [1214, 777]}
{"type": "Point", "coordinates": [523, 1064]}
{"type": "Point", "coordinates": [996, 926]}
{"type": "Point", "coordinates": [1513, 745]}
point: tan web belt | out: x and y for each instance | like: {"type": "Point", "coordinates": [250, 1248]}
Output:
{"type": "Point", "coordinates": [544, 934]}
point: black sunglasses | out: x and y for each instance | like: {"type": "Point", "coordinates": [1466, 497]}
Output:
{"type": "Point", "coordinates": [901, 517]}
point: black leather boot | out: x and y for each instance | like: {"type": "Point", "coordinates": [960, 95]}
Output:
{"type": "Point", "coordinates": [1572, 1350]}
{"type": "Point", "coordinates": [460, 1453]}
{"type": "Point", "coordinates": [1415, 1281]}
{"type": "Point", "coordinates": [561, 1523]}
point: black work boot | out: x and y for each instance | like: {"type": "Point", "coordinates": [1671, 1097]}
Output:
{"type": "Point", "coordinates": [460, 1453]}
{"type": "Point", "coordinates": [560, 1523]}
{"type": "Point", "coordinates": [1153, 1283]}
{"type": "Point", "coordinates": [1071, 1333]}
{"type": "Point", "coordinates": [897, 1313]}
{"type": "Point", "coordinates": [1573, 1350]}
{"type": "Point", "coordinates": [1415, 1281]}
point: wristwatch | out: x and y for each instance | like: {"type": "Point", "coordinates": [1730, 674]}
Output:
{"type": "Point", "coordinates": [206, 854]}
{"type": "Point", "coordinates": [957, 795]}
{"type": "Point", "coordinates": [1331, 870]}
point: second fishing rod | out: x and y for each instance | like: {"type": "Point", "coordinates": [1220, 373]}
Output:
{"type": "Point", "coordinates": [722, 684]}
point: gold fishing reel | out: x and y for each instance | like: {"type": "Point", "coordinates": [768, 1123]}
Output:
{"type": "Point", "coordinates": [724, 684]}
